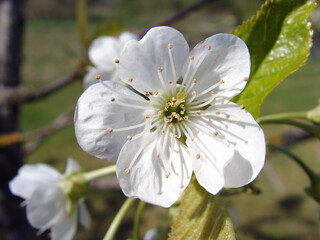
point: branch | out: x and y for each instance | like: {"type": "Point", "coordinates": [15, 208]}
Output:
{"type": "Point", "coordinates": [178, 15]}
{"type": "Point", "coordinates": [9, 95]}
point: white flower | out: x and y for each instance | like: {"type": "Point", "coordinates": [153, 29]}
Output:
{"type": "Point", "coordinates": [102, 53]}
{"type": "Point", "coordinates": [178, 120]}
{"type": "Point", "coordinates": [40, 186]}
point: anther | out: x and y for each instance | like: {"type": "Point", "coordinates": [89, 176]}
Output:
{"type": "Point", "coordinates": [192, 139]}
{"type": "Point", "coordinates": [215, 134]}
{"type": "Point", "coordinates": [170, 126]}
{"type": "Point", "coordinates": [194, 81]}
{"type": "Point", "coordinates": [109, 130]}
{"type": "Point", "coordinates": [167, 175]}
{"type": "Point", "coordinates": [181, 112]}
{"type": "Point", "coordinates": [212, 93]}
{"type": "Point", "coordinates": [173, 99]}
{"type": "Point", "coordinates": [173, 114]}
{"type": "Point", "coordinates": [160, 69]}
{"type": "Point", "coordinates": [116, 60]}
{"type": "Point", "coordinates": [127, 171]}
{"type": "Point", "coordinates": [175, 136]}
{"type": "Point", "coordinates": [147, 94]}
{"type": "Point", "coordinates": [160, 113]}
{"type": "Point", "coordinates": [218, 112]}
{"type": "Point", "coordinates": [130, 79]}
{"type": "Point", "coordinates": [155, 93]}
{"type": "Point", "coordinates": [146, 117]}
{"type": "Point", "coordinates": [198, 112]}
{"type": "Point", "coordinates": [162, 131]}
{"type": "Point", "coordinates": [167, 120]}
{"type": "Point", "coordinates": [198, 156]}
{"type": "Point", "coordinates": [170, 45]}
{"type": "Point", "coordinates": [193, 93]}
{"type": "Point", "coordinates": [242, 107]}
{"type": "Point", "coordinates": [129, 137]}
{"type": "Point", "coordinates": [158, 155]}
{"type": "Point", "coordinates": [246, 79]}
{"type": "Point", "coordinates": [165, 109]}
{"type": "Point", "coordinates": [185, 118]}
{"type": "Point", "coordinates": [170, 82]}
{"type": "Point", "coordinates": [191, 57]}
{"type": "Point", "coordinates": [112, 99]}
{"type": "Point", "coordinates": [221, 81]}
{"type": "Point", "coordinates": [181, 106]}
{"type": "Point", "coordinates": [98, 77]}
{"type": "Point", "coordinates": [208, 47]}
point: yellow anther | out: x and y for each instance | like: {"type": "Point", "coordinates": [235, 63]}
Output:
{"type": "Point", "coordinates": [158, 155]}
{"type": "Point", "coordinates": [194, 81]}
{"type": "Point", "coordinates": [191, 57]}
{"type": "Point", "coordinates": [221, 81]}
{"type": "Point", "coordinates": [170, 82]}
{"type": "Point", "coordinates": [160, 69]}
{"type": "Point", "coordinates": [129, 137]}
{"type": "Point", "coordinates": [109, 130]}
{"type": "Point", "coordinates": [208, 47]}
{"type": "Point", "coordinates": [98, 77]}
{"type": "Point", "coordinates": [181, 112]}
{"type": "Point", "coordinates": [194, 93]}
{"type": "Point", "coordinates": [242, 107]}
{"type": "Point", "coordinates": [198, 112]}
{"type": "Point", "coordinates": [170, 126]}
{"type": "Point", "coordinates": [170, 45]}
{"type": "Point", "coordinates": [146, 117]}
{"type": "Point", "coordinates": [130, 79]}
{"type": "Point", "coordinates": [186, 118]}
{"type": "Point", "coordinates": [112, 99]}
{"type": "Point", "coordinates": [215, 134]}
{"type": "Point", "coordinates": [127, 171]}
{"type": "Point", "coordinates": [218, 112]}
{"type": "Point", "coordinates": [165, 109]}
{"type": "Point", "coordinates": [116, 60]}
{"type": "Point", "coordinates": [212, 93]}
{"type": "Point", "coordinates": [198, 156]}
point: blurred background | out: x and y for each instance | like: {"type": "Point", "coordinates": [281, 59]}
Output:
{"type": "Point", "coordinates": [52, 48]}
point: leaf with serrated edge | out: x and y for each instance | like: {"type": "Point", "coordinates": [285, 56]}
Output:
{"type": "Point", "coordinates": [202, 216]}
{"type": "Point", "coordinates": [279, 41]}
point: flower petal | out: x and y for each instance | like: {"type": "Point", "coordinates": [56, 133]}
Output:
{"type": "Point", "coordinates": [153, 179]}
{"type": "Point", "coordinates": [150, 53]}
{"type": "Point", "coordinates": [105, 74]}
{"type": "Point", "coordinates": [126, 37]}
{"type": "Point", "coordinates": [104, 50]}
{"type": "Point", "coordinates": [31, 177]}
{"type": "Point", "coordinates": [46, 206]}
{"type": "Point", "coordinates": [220, 57]}
{"type": "Point", "coordinates": [84, 216]}
{"type": "Point", "coordinates": [65, 228]}
{"type": "Point", "coordinates": [209, 155]}
{"type": "Point", "coordinates": [72, 165]}
{"type": "Point", "coordinates": [96, 113]}
{"type": "Point", "coordinates": [241, 129]}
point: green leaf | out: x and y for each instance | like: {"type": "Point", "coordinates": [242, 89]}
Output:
{"type": "Point", "coordinates": [202, 216]}
{"type": "Point", "coordinates": [279, 41]}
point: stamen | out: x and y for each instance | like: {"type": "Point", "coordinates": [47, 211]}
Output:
{"type": "Point", "coordinates": [130, 79]}
{"type": "Point", "coordinates": [127, 128]}
{"type": "Point", "coordinates": [170, 81]}
{"type": "Point", "coordinates": [158, 155]}
{"type": "Point", "coordinates": [109, 130]}
{"type": "Point", "coordinates": [112, 99]}
{"type": "Point", "coordinates": [98, 77]}
{"type": "Point", "coordinates": [116, 60]}
{"type": "Point", "coordinates": [127, 171]}
{"type": "Point", "coordinates": [208, 47]}
{"type": "Point", "coordinates": [215, 134]}
{"type": "Point", "coordinates": [167, 175]}
{"type": "Point", "coordinates": [222, 81]}
{"type": "Point", "coordinates": [242, 107]}
{"type": "Point", "coordinates": [129, 137]}
{"type": "Point", "coordinates": [246, 79]}
{"type": "Point", "coordinates": [218, 112]}
{"type": "Point", "coordinates": [170, 45]}
{"type": "Point", "coordinates": [173, 69]}
{"type": "Point", "coordinates": [198, 156]}
{"type": "Point", "coordinates": [146, 117]}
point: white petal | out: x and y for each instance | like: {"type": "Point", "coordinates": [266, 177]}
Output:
{"type": "Point", "coordinates": [65, 228]}
{"type": "Point", "coordinates": [104, 50]}
{"type": "Point", "coordinates": [72, 165]}
{"type": "Point", "coordinates": [46, 206]}
{"type": "Point", "coordinates": [105, 74]}
{"type": "Point", "coordinates": [95, 113]}
{"type": "Point", "coordinates": [32, 176]}
{"type": "Point", "coordinates": [209, 155]}
{"type": "Point", "coordinates": [127, 36]}
{"type": "Point", "coordinates": [228, 59]}
{"type": "Point", "coordinates": [147, 178]}
{"type": "Point", "coordinates": [84, 216]}
{"type": "Point", "coordinates": [141, 60]}
{"type": "Point", "coordinates": [248, 139]}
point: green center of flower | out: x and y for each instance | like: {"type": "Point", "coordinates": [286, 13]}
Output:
{"type": "Point", "coordinates": [175, 110]}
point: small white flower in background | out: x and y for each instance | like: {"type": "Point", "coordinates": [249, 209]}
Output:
{"type": "Point", "coordinates": [179, 120]}
{"type": "Point", "coordinates": [102, 53]}
{"type": "Point", "coordinates": [46, 202]}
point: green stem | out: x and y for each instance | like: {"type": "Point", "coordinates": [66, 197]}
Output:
{"type": "Point", "coordinates": [281, 116]}
{"type": "Point", "coordinates": [137, 220]}
{"type": "Point", "coordinates": [119, 217]}
{"type": "Point", "coordinates": [312, 176]}
{"type": "Point", "coordinates": [89, 176]}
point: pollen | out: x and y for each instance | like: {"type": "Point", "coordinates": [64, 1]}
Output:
{"type": "Point", "coordinates": [181, 106]}
{"type": "Point", "coordinates": [170, 45]}
{"type": "Point", "coordinates": [215, 134]}
{"type": "Point", "coordinates": [221, 81]}
{"type": "Point", "coordinates": [129, 137]}
{"type": "Point", "coordinates": [98, 77]}
{"type": "Point", "coordinates": [167, 120]}
{"type": "Point", "coordinates": [116, 60]}
{"type": "Point", "coordinates": [130, 79]}
{"type": "Point", "coordinates": [208, 47]}
{"type": "Point", "coordinates": [112, 99]}
{"type": "Point", "coordinates": [109, 130]}
{"type": "Point", "coordinates": [160, 69]}
{"type": "Point", "coordinates": [191, 57]}
{"type": "Point", "coordinates": [198, 156]}
{"type": "Point", "coordinates": [127, 171]}
{"type": "Point", "coordinates": [242, 107]}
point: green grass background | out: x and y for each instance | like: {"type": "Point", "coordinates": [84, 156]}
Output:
{"type": "Point", "coordinates": [51, 49]}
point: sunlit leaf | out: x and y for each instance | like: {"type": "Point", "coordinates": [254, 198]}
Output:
{"type": "Point", "coordinates": [279, 41]}
{"type": "Point", "coordinates": [202, 216]}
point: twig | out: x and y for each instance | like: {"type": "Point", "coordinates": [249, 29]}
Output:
{"type": "Point", "coordinates": [21, 94]}
{"type": "Point", "coordinates": [178, 15]}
